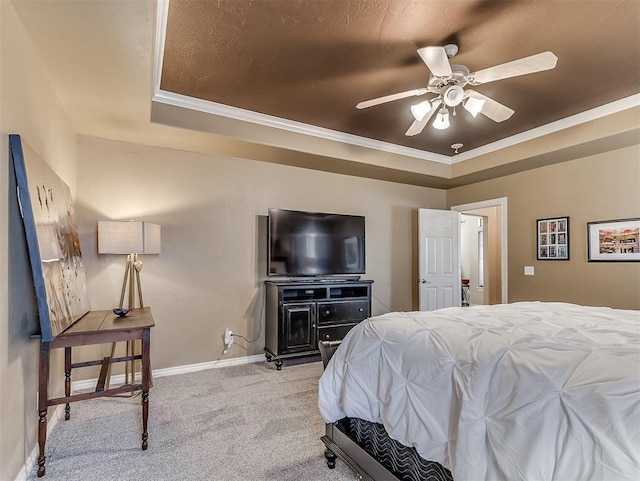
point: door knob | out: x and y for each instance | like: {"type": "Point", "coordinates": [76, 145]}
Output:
{"type": "Point", "coordinates": [424, 281]}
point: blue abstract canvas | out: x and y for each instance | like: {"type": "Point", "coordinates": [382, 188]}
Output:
{"type": "Point", "coordinates": [52, 239]}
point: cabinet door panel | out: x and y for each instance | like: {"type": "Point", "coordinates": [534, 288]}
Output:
{"type": "Point", "coordinates": [299, 327]}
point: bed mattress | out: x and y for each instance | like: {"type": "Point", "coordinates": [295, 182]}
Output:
{"type": "Point", "coordinates": [524, 391]}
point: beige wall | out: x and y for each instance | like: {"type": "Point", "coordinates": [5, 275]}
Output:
{"type": "Point", "coordinates": [30, 107]}
{"type": "Point", "coordinates": [209, 274]}
{"type": "Point", "coordinates": [599, 187]}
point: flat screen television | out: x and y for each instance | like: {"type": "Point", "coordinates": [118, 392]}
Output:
{"type": "Point", "coordinates": [314, 244]}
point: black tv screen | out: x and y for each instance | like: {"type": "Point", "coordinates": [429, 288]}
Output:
{"type": "Point", "coordinates": [315, 244]}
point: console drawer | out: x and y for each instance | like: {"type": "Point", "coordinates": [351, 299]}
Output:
{"type": "Point", "coordinates": [334, 333]}
{"type": "Point", "coordinates": [354, 311]}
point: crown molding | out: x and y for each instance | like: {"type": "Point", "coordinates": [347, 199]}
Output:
{"type": "Point", "coordinates": [162, 11]}
{"type": "Point", "coordinates": [558, 125]}
{"type": "Point", "coordinates": [213, 108]}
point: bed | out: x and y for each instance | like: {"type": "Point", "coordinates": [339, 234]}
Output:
{"type": "Point", "coordinates": [522, 391]}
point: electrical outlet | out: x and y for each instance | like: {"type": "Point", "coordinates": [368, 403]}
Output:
{"type": "Point", "coordinates": [228, 340]}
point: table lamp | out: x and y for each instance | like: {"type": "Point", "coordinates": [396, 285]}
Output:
{"type": "Point", "coordinates": [129, 238]}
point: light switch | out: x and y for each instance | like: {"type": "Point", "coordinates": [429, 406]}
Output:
{"type": "Point", "coordinates": [528, 270]}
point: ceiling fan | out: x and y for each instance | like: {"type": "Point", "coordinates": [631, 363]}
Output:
{"type": "Point", "coordinates": [447, 81]}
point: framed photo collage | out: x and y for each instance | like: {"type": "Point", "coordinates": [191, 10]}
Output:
{"type": "Point", "coordinates": [553, 239]}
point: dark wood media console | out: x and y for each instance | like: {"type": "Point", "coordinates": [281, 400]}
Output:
{"type": "Point", "coordinates": [299, 314]}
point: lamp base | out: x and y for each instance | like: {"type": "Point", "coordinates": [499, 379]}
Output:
{"type": "Point", "coordinates": [130, 282]}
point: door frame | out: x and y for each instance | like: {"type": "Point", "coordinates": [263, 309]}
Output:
{"type": "Point", "coordinates": [504, 257]}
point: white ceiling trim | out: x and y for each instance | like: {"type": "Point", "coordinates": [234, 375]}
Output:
{"type": "Point", "coordinates": [162, 12]}
{"type": "Point", "coordinates": [213, 108]}
{"type": "Point", "coordinates": [567, 122]}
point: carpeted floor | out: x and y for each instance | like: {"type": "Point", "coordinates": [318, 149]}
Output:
{"type": "Point", "coordinates": [248, 422]}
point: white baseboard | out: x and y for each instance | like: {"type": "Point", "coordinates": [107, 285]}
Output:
{"type": "Point", "coordinates": [172, 371]}
{"type": "Point", "coordinates": [32, 458]}
{"type": "Point", "coordinates": [119, 379]}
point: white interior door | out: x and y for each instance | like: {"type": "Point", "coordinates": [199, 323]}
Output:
{"type": "Point", "coordinates": [439, 259]}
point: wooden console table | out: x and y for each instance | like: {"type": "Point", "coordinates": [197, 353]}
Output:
{"type": "Point", "coordinates": [95, 327]}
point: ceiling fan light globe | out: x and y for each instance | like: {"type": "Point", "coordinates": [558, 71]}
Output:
{"type": "Point", "coordinates": [474, 105]}
{"type": "Point", "coordinates": [453, 96]}
{"type": "Point", "coordinates": [420, 110]}
{"type": "Point", "coordinates": [442, 119]}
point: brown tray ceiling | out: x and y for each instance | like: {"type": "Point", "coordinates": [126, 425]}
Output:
{"type": "Point", "coordinates": [312, 61]}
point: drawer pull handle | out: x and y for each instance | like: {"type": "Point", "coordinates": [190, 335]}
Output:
{"type": "Point", "coordinates": [326, 336]}
{"type": "Point", "coordinates": [327, 312]}
{"type": "Point", "coordinates": [361, 309]}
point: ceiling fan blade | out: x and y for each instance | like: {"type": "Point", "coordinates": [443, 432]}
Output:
{"type": "Point", "coordinates": [391, 98]}
{"type": "Point", "coordinates": [492, 109]}
{"type": "Point", "coordinates": [437, 60]}
{"type": "Point", "coordinates": [418, 126]}
{"type": "Point", "coordinates": [523, 66]}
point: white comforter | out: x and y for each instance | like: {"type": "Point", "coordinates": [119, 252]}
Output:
{"type": "Point", "coordinates": [524, 391]}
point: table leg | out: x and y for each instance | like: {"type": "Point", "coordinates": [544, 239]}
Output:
{"type": "Point", "coordinates": [130, 366]}
{"type": "Point", "coordinates": [146, 382]}
{"type": "Point", "coordinates": [67, 381]}
{"type": "Point", "coordinates": [43, 401]}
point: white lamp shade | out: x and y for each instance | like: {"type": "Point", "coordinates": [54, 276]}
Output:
{"type": "Point", "coordinates": [442, 119]}
{"type": "Point", "coordinates": [420, 110]}
{"type": "Point", "coordinates": [128, 237]}
{"type": "Point", "coordinates": [474, 105]}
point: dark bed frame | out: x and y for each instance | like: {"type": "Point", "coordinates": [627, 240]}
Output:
{"type": "Point", "coordinates": [339, 444]}
{"type": "Point", "coordinates": [367, 449]}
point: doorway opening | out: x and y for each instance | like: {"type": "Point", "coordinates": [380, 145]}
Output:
{"type": "Point", "coordinates": [484, 250]}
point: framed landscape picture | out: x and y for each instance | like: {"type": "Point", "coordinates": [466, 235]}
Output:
{"type": "Point", "coordinates": [553, 239]}
{"type": "Point", "coordinates": [614, 240]}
